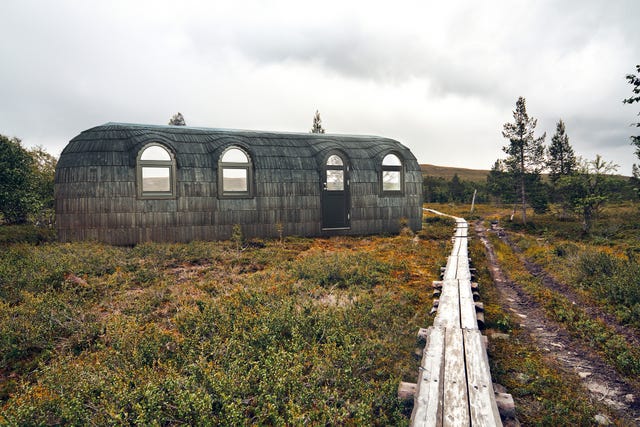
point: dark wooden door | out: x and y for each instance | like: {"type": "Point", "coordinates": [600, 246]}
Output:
{"type": "Point", "coordinates": [335, 193]}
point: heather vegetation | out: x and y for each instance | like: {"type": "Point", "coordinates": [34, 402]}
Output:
{"type": "Point", "coordinates": [289, 331]}
{"type": "Point", "coordinates": [603, 266]}
{"type": "Point", "coordinates": [294, 330]}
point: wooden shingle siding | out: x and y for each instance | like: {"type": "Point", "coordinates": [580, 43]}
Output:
{"type": "Point", "coordinates": [98, 196]}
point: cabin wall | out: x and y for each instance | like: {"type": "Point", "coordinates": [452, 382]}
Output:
{"type": "Point", "coordinates": [89, 208]}
{"type": "Point", "coordinates": [110, 211]}
{"type": "Point", "coordinates": [97, 196]}
{"type": "Point", "coordinates": [373, 213]}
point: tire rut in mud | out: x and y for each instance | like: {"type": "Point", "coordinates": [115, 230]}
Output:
{"type": "Point", "coordinates": [601, 380]}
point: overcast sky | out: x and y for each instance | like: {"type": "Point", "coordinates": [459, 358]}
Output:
{"type": "Point", "coordinates": [440, 77]}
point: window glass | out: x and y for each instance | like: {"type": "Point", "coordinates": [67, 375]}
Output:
{"type": "Point", "coordinates": [391, 181]}
{"type": "Point", "coordinates": [234, 180]}
{"type": "Point", "coordinates": [391, 160]}
{"type": "Point", "coordinates": [334, 160]}
{"type": "Point", "coordinates": [156, 169]}
{"type": "Point", "coordinates": [156, 179]}
{"type": "Point", "coordinates": [235, 155]}
{"type": "Point", "coordinates": [335, 180]}
{"type": "Point", "coordinates": [155, 152]}
{"type": "Point", "coordinates": [391, 176]}
{"type": "Point", "coordinates": [235, 173]}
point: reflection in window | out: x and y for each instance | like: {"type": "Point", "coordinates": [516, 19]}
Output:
{"type": "Point", "coordinates": [391, 173]}
{"type": "Point", "coordinates": [335, 180]}
{"type": "Point", "coordinates": [155, 172]}
{"type": "Point", "coordinates": [334, 169]}
{"type": "Point", "coordinates": [235, 155]}
{"type": "Point", "coordinates": [156, 179]}
{"type": "Point", "coordinates": [235, 173]}
{"type": "Point", "coordinates": [234, 179]}
{"type": "Point", "coordinates": [334, 160]}
{"type": "Point", "coordinates": [155, 152]}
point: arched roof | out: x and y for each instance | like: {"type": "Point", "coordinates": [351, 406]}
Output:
{"type": "Point", "coordinates": [119, 144]}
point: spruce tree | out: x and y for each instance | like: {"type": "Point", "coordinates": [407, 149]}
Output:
{"type": "Point", "coordinates": [561, 158]}
{"type": "Point", "coordinates": [317, 124]}
{"type": "Point", "coordinates": [177, 120]}
{"type": "Point", "coordinates": [525, 152]}
{"type": "Point", "coordinates": [635, 82]}
{"type": "Point", "coordinates": [635, 139]}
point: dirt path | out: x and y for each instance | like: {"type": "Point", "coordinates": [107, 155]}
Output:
{"type": "Point", "coordinates": [601, 380]}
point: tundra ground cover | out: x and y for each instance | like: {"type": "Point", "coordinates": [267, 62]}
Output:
{"type": "Point", "coordinates": [297, 331]}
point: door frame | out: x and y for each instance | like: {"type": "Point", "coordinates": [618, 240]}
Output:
{"type": "Point", "coordinates": [341, 197]}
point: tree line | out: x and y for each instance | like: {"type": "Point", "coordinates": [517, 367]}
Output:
{"type": "Point", "coordinates": [577, 185]}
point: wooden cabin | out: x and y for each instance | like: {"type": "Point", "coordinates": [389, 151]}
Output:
{"type": "Point", "coordinates": [125, 184]}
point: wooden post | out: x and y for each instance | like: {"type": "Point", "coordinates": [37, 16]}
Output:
{"type": "Point", "coordinates": [473, 201]}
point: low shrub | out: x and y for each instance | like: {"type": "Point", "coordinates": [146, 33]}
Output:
{"type": "Point", "coordinates": [31, 234]}
{"type": "Point", "coordinates": [612, 279]}
{"type": "Point", "coordinates": [340, 269]}
{"type": "Point", "coordinates": [289, 332]}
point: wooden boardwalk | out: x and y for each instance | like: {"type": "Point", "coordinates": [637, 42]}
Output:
{"type": "Point", "coordinates": [454, 384]}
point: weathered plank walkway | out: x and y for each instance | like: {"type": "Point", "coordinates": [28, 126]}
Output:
{"type": "Point", "coordinates": [454, 384]}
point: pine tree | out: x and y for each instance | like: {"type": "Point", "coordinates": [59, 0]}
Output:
{"type": "Point", "coordinates": [635, 82]}
{"type": "Point", "coordinates": [177, 120]}
{"type": "Point", "coordinates": [525, 151]}
{"type": "Point", "coordinates": [317, 124]}
{"type": "Point", "coordinates": [561, 158]}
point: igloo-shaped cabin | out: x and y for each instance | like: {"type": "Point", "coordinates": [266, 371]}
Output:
{"type": "Point", "coordinates": [125, 184]}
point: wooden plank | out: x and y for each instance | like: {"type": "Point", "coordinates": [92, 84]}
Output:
{"type": "Point", "coordinates": [468, 318]}
{"type": "Point", "coordinates": [482, 403]}
{"type": "Point", "coordinates": [455, 399]}
{"type": "Point", "coordinates": [451, 268]}
{"type": "Point", "coordinates": [463, 247]}
{"type": "Point", "coordinates": [462, 270]}
{"type": "Point", "coordinates": [449, 306]}
{"type": "Point", "coordinates": [427, 410]}
{"type": "Point", "coordinates": [466, 391]}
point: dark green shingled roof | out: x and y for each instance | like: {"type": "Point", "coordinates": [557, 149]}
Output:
{"type": "Point", "coordinates": [119, 144]}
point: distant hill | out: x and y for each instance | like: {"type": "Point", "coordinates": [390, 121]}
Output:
{"type": "Point", "coordinates": [475, 175]}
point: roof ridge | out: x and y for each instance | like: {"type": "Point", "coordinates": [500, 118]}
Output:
{"type": "Point", "coordinates": [234, 130]}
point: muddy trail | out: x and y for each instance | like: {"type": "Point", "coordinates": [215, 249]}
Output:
{"type": "Point", "coordinates": [602, 381]}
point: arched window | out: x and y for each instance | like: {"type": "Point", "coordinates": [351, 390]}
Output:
{"type": "Point", "coordinates": [156, 172]}
{"type": "Point", "coordinates": [235, 173]}
{"type": "Point", "coordinates": [392, 178]}
{"type": "Point", "coordinates": [335, 173]}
